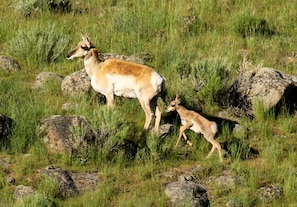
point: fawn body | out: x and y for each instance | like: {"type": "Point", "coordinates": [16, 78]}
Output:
{"type": "Point", "coordinates": [196, 122]}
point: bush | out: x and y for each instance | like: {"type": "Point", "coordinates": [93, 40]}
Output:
{"type": "Point", "coordinates": [36, 200]}
{"type": "Point", "coordinates": [29, 7]}
{"type": "Point", "coordinates": [209, 76]}
{"type": "Point", "coordinates": [39, 45]}
{"type": "Point", "coordinates": [114, 137]}
{"type": "Point", "coordinates": [246, 24]}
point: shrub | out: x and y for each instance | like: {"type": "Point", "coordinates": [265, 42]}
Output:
{"type": "Point", "coordinates": [246, 24]}
{"type": "Point", "coordinates": [29, 7]}
{"type": "Point", "coordinates": [114, 137]}
{"type": "Point", "coordinates": [39, 45]}
{"type": "Point", "coordinates": [209, 77]}
{"type": "Point", "coordinates": [36, 200]}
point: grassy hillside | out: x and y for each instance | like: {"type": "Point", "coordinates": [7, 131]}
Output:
{"type": "Point", "coordinates": [183, 37]}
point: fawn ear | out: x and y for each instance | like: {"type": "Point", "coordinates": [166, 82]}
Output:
{"type": "Point", "coordinates": [177, 99]}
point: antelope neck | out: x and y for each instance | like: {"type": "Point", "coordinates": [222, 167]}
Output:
{"type": "Point", "coordinates": [91, 60]}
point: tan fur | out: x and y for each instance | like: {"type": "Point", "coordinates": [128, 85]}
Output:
{"type": "Point", "coordinates": [121, 78]}
{"type": "Point", "coordinates": [199, 124]}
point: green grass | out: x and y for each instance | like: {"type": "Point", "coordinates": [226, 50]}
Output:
{"type": "Point", "coordinates": [192, 42]}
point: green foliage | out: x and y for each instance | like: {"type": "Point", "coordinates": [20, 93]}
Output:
{"type": "Point", "coordinates": [48, 187]}
{"type": "Point", "coordinates": [35, 200]}
{"type": "Point", "coordinates": [113, 133]}
{"type": "Point", "coordinates": [210, 76]}
{"type": "Point", "coordinates": [29, 7]}
{"type": "Point", "coordinates": [246, 24]}
{"type": "Point", "coordinates": [40, 44]}
{"type": "Point", "coordinates": [195, 46]}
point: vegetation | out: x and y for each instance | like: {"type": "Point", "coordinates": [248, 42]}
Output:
{"type": "Point", "coordinates": [196, 45]}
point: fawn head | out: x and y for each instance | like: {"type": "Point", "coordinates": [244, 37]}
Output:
{"type": "Point", "coordinates": [173, 104]}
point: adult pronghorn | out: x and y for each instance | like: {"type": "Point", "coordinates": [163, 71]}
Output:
{"type": "Point", "coordinates": [121, 78]}
{"type": "Point", "coordinates": [194, 121]}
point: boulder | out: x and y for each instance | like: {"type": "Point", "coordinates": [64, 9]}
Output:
{"type": "Point", "coordinates": [44, 77]}
{"type": "Point", "coordinates": [268, 86]}
{"type": "Point", "coordinates": [165, 130]}
{"type": "Point", "coordinates": [9, 64]}
{"type": "Point", "coordinates": [85, 181]}
{"type": "Point", "coordinates": [77, 83]}
{"type": "Point", "coordinates": [66, 185]}
{"type": "Point", "coordinates": [22, 191]}
{"type": "Point", "coordinates": [66, 134]}
{"type": "Point", "coordinates": [187, 193]}
{"type": "Point", "coordinates": [270, 192]}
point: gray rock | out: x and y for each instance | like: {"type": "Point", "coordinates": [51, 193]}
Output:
{"type": "Point", "coordinates": [9, 64]}
{"type": "Point", "coordinates": [270, 192]}
{"type": "Point", "coordinates": [165, 130]}
{"type": "Point", "coordinates": [77, 83]}
{"type": "Point", "coordinates": [85, 181]}
{"type": "Point", "coordinates": [22, 191]}
{"type": "Point", "coordinates": [44, 77]}
{"type": "Point", "coordinates": [187, 193]}
{"type": "Point", "coordinates": [66, 134]}
{"type": "Point", "coordinates": [266, 85]}
{"type": "Point", "coordinates": [67, 187]}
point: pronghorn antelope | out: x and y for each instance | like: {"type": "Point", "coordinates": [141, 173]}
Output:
{"type": "Point", "coordinates": [114, 77]}
{"type": "Point", "coordinates": [194, 121]}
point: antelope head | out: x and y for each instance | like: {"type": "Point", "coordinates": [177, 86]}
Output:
{"type": "Point", "coordinates": [173, 104]}
{"type": "Point", "coordinates": [82, 49]}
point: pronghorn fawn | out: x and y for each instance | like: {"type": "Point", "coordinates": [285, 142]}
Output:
{"type": "Point", "coordinates": [114, 77]}
{"type": "Point", "coordinates": [199, 124]}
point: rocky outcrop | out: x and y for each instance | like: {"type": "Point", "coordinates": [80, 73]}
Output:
{"type": "Point", "coordinates": [268, 86]}
{"type": "Point", "coordinates": [9, 64]}
{"type": "Point", "coordinates": [66, 134]}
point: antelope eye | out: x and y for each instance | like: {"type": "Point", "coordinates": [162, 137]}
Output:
{"type": "Point", "coordinates": [172, 105]}
{"type": "Point", "coordinates": [84, 47]}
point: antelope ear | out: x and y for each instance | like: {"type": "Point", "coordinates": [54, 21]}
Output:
{"type": "Point", "coordinates": [86, 39]}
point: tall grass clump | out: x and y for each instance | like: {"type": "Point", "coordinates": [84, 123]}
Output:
{"type": "Point", "coordinates": [246, 24]}
{"type": "Point", "coordinates": [39, 44]}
